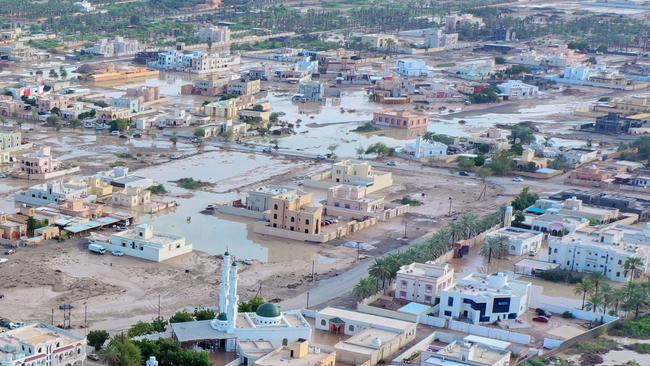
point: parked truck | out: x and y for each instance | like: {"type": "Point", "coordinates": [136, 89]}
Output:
{"type": "Point", "coordinates": [96, 248]}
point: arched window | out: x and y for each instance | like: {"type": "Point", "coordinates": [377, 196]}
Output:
{"type": "Point", "coordinates": [285, 341]}
{"type": "Point", "coordinates": [323, 322]}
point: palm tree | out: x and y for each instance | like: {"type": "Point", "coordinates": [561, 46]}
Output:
{"type": "Point", "coordinates": [381, 271]}
{"type": "Point", "coordinates": [495, 245]}
{"type": "Point", "coordinates": [636, 297]}
{"type": "Point", "coordinates": [583, 287]}
{"type": "Point", "coordinates": [618, 297]}
{"type": "Point", "coordinates": [360, 151]}
{"type": "Point", "coordinates": [367, 286]}
{"type": "Point", "coordinates": [597, 278]}
{"type": "Point", "coordinates": [595, 301]}
{"type": "Point", "coordinates": [634, 267]}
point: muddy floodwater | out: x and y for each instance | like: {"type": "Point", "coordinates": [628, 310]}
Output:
{"type": "Point", "coordinates": [225, 172]}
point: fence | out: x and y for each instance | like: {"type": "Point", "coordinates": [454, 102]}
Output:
{"type": "Point", "coordinates": [482, 331]}
{"type": "Point", "coordinates": [433, 321]}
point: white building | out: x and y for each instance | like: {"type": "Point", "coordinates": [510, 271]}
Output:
{"type": "Point", "coordinates": [143, 242]}
{"type": "Point", "coordinates": [312, 91]}
{"type": "Point", "coordinates": [84, 6]}
{"type": "Point", "coordinates": [482, 298]}
{"type": "Point", "coordinates": [603, 250]}
{"type": "Point", "coordinates": [119, 46]}
{"type": "Point", "coordinates": [578, 156]}
{"type": "Point", "coordinates": [195, 62]}
{"type": "Point", "coordinates": [422, 149]}
{"type": "Point", "coordinates": [219, 36]}
{"type": "Point", "coordinates": [519, 241]}
{"type": "Point", "coordinates": [516, 89]}
{"type": "Point", "coordinates": [440, 39]}
{"type": "Point", "coordinates": [577, 73]}
{"type": "Point", "coordinates": [230, 328]}
{"type": "Point", "coordinates": [422, 282]}
{"type": "Point", "coordinates": [412, 67]}
{"type": "Point", "coordinates": [41, 344]}
{"type": "Point", "coordinates": [467, 353]}
{"type": "Point", "coordinates": [52, 192]}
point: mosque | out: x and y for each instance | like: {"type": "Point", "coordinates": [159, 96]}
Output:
{"type": "Point", "coordinates": [237, 332]}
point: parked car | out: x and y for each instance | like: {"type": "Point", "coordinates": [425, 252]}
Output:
{"type": "Point", "coordinates": [464, 173]}
{"type": "Point", "coordinates": [93, 356]}
{"type": "Point", "coordinates": [115, 133]}
{"type": "Point", "coordinates": [541, 319]}
{"type": "Point", "coordinates": [10, 251]}
{"type": "Point", "coordinates": [210, 207]}
{"type": "Point", "coordinates": [137, 135]}
{"type": "Point", "coordinates": [518, 179]}
{"type": "Point", "coordinates": [391, 163]}
{"type": "Point", "coordinates": [532, 253]}
{"type": "Point", "coordinates": [542, 312]}
{"type": "Point", "coordinates": [267, 150]}
{"type": "Point", "coordinates": [124, 136]}
{"type": "Point", "coordinates": [321, 157]}
{"type": "Point", "coordinates": [4, 322]}
{"type": "Point", "coordinates": [117, 253]}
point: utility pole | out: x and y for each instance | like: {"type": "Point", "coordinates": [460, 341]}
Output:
{"type": "Point", "coordinates": [358, 251]}
{"type": "Point", "coordinates": [307, 299]}
{"type": "Point", "coordinates": [405, 223]}
{"type": "Point", "coordinates": [52, 321]}
{"type": "Point", "coordinates": [313, 263]}
{"type": "Point", "coordinates": [450, 201]}
{"type": "Point", "coordinates": [86, 318]}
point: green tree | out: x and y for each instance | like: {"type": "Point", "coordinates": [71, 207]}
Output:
{"type": "Point", "coordinates": [204, 314]}
{"type": "Point", "coordinates": [466, 163]}
{"type": "Point", "coordinates": [53, 74]}
{"type": "Point", "coordinates": [501, 164]}
{"type": "Point", "coordinates": [525, 199]}
{"type": "Point", "coordinates": [518, 219]}
{"type": "Point", "coordinates": [634, 267]}
{"type": "Point", "coordinates": [63, 72]}
{"type": "Point", "coordinates": [273, 118]}
{"type": "Point", "coordinates": [360, 151]}
{"type": "Point", "coordinates": [496, 246]}
{"type": "Point", "coordinates": [181, 317]}
{"type": "Point", "coordinates": [499, 60]}
{"type": "Point", "coordinates": [366, 287]}
{"type": "Point", "coordinates": [331, 148]}
{"type": "Point", "coordinates": [140, 328]}
{"type": "Point", "coordinates": [380, 149]}
{"type": "Point", "coordinates": [251, 305]}
{"type": "Point", "coordinates": [120, 124]}
{"type": "Point", "coordinates": [75, 123]}
{"type": "Point", "coordinates": [121, 351]}
{"type": "Point", "coordinates": [595, 301]}
{"type": "Point", "coordinates": [597, 278]}
{"type": "Point", "coordinates": [381, 269]}
{"type": "Point", "coordinates": [521, 134]}
{"type": "Point", "coordinates": [171, 353]}
{"type": "Point", "coordinates": [53, 120]}
{"type": "Point", "coordinates": [97, 338]}
{"type": "Point", "coordinates": [583, 288]}
{"type": "Point", "coordinates": [199, 133]}
{"type": "Point", "coordinates": [275, 144]}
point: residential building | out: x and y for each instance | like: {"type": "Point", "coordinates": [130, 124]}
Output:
{"type": "Point", "coordinates": [261, 199]}
{"type": "Point", "coordinates": [440, 39]}
{"type": "Point", "coordinates": [267, 326]}
{"type": "Point", "coordinates": [298, 353]}
{"type": "Point", "coordinates": [621, 202]}
{"type": "Point", "coordinates": [52, 192]}
{"type": "Point", "coordinates": [528, 158]}
{"type": "Point", "coordinates": [515, 89]}
{"type": "Point", "coordinates": [243, 87]}
{"type": "Point", "coordinates": [579, 156]}
{"type": "Point", "coordinates": [145, 93]}
{"type": "Point", "coordinates": [423, 149]}
{"type": "Point", "coordinates": [482, 298]}
{"type": "Point", "coordinates": [120, 177]}
{"type": "Point", "coordinates": [45, 103]}
{"type": "Point", "coordinates": [379, 41]}
{"type": "Point", "coordinates": [617, 123]}
{"type": "Point", "coordinates": [360, 173]}
{"type": "Point", "coordinates": [143, 242]}
{"type": "Point", "coordinates": [310, 92]}
{"type": "Point", "coordinates": [574, 208]}
{"type": "Point", "coordinates": [295, 211]}
{"type": "Point", "coordinates": [603, 250]}
{"type": "Point", "coordinates": [11, 34]}
{"type": "Point", "coordinates": [353, 202]}
{"type": "Point", "coordinates": [131, 197]}
{"type": "Point", "coordinates": [412, 67]}
{"type": "Point", "coordinates": [178, 118]}
{"type": "Point", "coordinates": [216, 35]}
{"type": "Point", "coordinates": [19, 52]}
{"type": "Point", "coordinates": [39, 162]}
{"type": "Point", "coordinates": [628, 106]}
{"type": "Point", "coordinates": [9, 106]}
{"type": "Point", "coordinates": [454, 22]}
{"type": "Point", "coordinates": [373, 338]}
{"type": "Point", "coordinates": [195, 62]}
{"type": "Point", "coordinates": [11, 230]}
{"type": "Point", "coordinates": [79, 208]}
{"type": "Point", "coordinates": [9, 142]}
{"type": "Point", "coordinates": [110, 74]}
{"type": "Point", "coordinates": [400, 119]}
{"type": "Point", "coordinates": [108, 114]}
{"type": "Point", "coordinates": [133, 105]}
{"type": "Point", "coordinates": [423, 282]}
{"type": "Point", "coordinates": [519, 241]}
{"type": "Point", "coordinates": [229, 108]}
{"type": "Point", "coordinates": [257, 114]}
{"type": "Point", "coordinates": [41, 344]}
{"type": "Point", "coordinates": [116, 47]}
{"type": "Point", "coordinates": [466, 353]}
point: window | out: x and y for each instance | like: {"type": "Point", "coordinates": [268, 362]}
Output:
{"type": "Point", "coordinates": [555, 250]}
{"type": "Point", "coordinates": [402, 294]}
{"type": "Point", "coordinates": [428, 288]}
{"type": "Point", "coordinates": [618, 274]}
{"type": "Point", "coordinates": [291, 228]}
{"type": "Point", "coordinates": [323, 322]}
{"type": "Point", "coordinates": [275, 207]}
{"type": "Point", "coordinates": [306, 221]}
{"type": "Point", "coordinates": [447, 313]}
{"type": "Point", "coordinates": [427, 298]}
{"type": "Point", "coordinates": [450, 301]}
{"type": "Point", "coordinates": [275, 225]}
{"type": "Point", "coordinates": [404, 283]}
{"type": "Point", "coordinates": [568, 263]}
{"type": "Point", "coordinates": [351, 328]}
{"type": "Point", "coordinates": [275, 216]}
{"type": "Point", "coordinates": [293, 219]}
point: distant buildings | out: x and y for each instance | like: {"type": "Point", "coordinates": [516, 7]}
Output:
{"type": "Point", "coordinates": [243, 87]}
{"type": "Point", "coordinates": [83, 6]}
{"type": "Point", "coordinates": [579, 156]}
{"type": "Point", "coordinates": [454, 22]}
{"type": "Point", "coordinates": [399, 119]}
{"type": "Point", "coordinates": [515, 89]}
{"type": "Point", "coordinates": [39, 163]}
{"type": "Point", "coordinates": [603, 250]}
{"type": "Point", "coordinates": [360, 173]}
{"type": "Point", "coordinates": [112, 74]}
{"type": "Point", "coordinates": [216, 35]}
{"type": "Point", "coordinates": [310, 92]}
{"type": "Point", "coordinates": [466, 353]}
{"type": "Point", "coordinates": [481, 298]}
{"type": "Point", "coordinates": [35, 343]}
{"type": "Point", "coordinates": [10, 142]}
{"type": "Point", "coordinates": [19, 52]}
{"type": "Point", "coordinates": [379, 41]}
{"type": "Point", "coordinates": [423, 149]}
{"type": "Point", "coordinates": [261, 199]}
{"type": "Point", "coordinates": [439, 39]}
{"type": "Point", "coordinates": [52, 192]}
{"type": "Point", "coordinates": [621, 202]}
{"type": "Point", "coordinates": [143, 242]}
{"type": "Point", "coordinates": [298, 353]}
{"type": "Point", "coordinates": [353, 202]}
{"type": "Point", "coordinates": [296, 212]}
{"type": "Point", "coordinates": [600, 76]}
{"type": "Point", "coordinates": [413, 67]}
{"type": "Point", "coordinates": [131, 197]}
{"type": "Point", "coordinates": [423, 282]}
{"type": "Point", "coordinates": [118, 46]}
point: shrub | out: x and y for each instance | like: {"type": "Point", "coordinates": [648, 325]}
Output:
{"type": "Point", "coordinates": [97, 338]}
{"type": "Point", "coordinates": [638, 328]}
{"type": "Point", "coordinates": [567, 315]}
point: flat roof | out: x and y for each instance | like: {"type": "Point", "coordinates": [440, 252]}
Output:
{"type": "Point", "coordinates": [196, 331]}
{"type": "Point", "coordinates": [285, 356]}
{"type": "Point", "coordinates": [494, 343]}
{"type": "Point", "coordinates": [536, 264]}
{"type": "Point", "coordinates": [414, 308]}
{"type": "Point", "coordinates": [364, 342]}
{"type": "Point", "coordinates": [372, 320]}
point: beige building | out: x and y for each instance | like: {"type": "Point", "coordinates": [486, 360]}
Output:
{"type": "Point", "coordinates": [41, 344]}
{"type": "Point", "coordinates": [131, 197]}
{"type": "Point", "coordinates": [9, 142]}
{"type": "Point", "coordinates": [400, 119]}
{"type": "Point", "coordinates": [422, 282]}
{"type": "Point", "coordinates": [468, 353]}
{"type": "Point", "coordinates": [298, 354]}
{"type": "Point", "coordinates": [243, 87]}
{"type": "Point", "coordinates": [361, 173]}
{"type": "Point", "coordinates": [295, 211]}
{"type": "Point", "coordinates": [98, 187]}
{"type": "Point", "coordinates": [528, 157]}
{"type": "Point", "coordinates": [108, 114]}
{"type": "Point", "coordinates": [353, 202]}
{"type": "Point", "coordinates": [39, 162]}
{"type": "Point", "coordinates": [377, 40]}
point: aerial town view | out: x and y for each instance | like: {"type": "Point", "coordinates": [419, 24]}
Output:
{"type": "Point", "coordinates": [325, 182]}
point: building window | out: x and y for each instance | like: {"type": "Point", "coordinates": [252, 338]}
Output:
{"type": "Point", "coordinates": [402, 294]}
{"type": "Point", "coordinates": [323, 322]}
{"type": "Point", "coordinates": [306, 221]}
{"type": "Point", "coordinates": [291, 228]}
{"type": "Point", "coordinates": [351, 328]}
{"type": "Point", "coordinates": [618, 274]}
{"type": "Point", "coordinates": [450, 301]}
{"type": "Point", "coordinates": [427, 298]}
{"type": "Point", "coordinates": [275, 207]}
{"type": "Point", "coordinates": [275, 216]}
{"type": "Point", "coordinates": [429, 288]}
{"type": "Point", "coordinates": [555, 250]}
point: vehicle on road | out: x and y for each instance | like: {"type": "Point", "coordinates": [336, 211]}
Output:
{"type": "Point", "coordinates": [391, 163]}
{"type": "Point", "coordinates": [115, 133]}
{"type": "Point", "coordinates": [542, 312]}
{"type": "Point", "coordinates": [463, 174]}
{"type": "Point", "coordinates": [4, 322]}
{"type": "Point", "coordinates": [96, 248]}
{"type": "Point", "coordinates": [541, 319]}
{"type": "Point", "coordinates": [10, 251]}
{"type": "Point", "coordinates": [518, 179]}
{"type": "Point", "coordinates": [117, 253]}
{"type": "Point", "coordinates": [210, 207]}
{"type": "Point", "coordinates": [532, 253]}
{"type": "Point", "coordinates": [267, 150]}
{"type": "Point", "coordinates": [93, 356]}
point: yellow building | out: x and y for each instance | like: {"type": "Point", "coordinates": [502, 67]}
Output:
{"type": "Point", "coordinates": [361, 173]}
{"type": "Point", "coordinates": [131, 197]}
{"type": "Point", "coordinates": [528, 156]}
{"type": "Point", "coordinates": [298, 354]}
{"type": "Point", "coordinates": [294, 211]}
{"type": "Point", "coordinates": [99, 188]}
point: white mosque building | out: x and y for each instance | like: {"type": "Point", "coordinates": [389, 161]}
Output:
{"type": "Point", "coordinates": [233, 331]}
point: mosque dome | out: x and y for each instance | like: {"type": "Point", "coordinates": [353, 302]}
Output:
{"type": "Point", "coordinates": [268, 311]}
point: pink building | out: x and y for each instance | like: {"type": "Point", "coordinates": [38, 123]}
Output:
{"type": "Point", "coordinates": [399, 119]}
{"type": "Point", "coordinates": [39, 162]}
{"type": "Point", "coordinates": [423, 282]}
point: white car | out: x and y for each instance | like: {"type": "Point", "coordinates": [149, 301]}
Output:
{"type": "Point", "coordinates": [115, 133]}
{"type": "Point", "coordinates": [117, 253]}
{"type": "Point", "coordinates": [518, 179]}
